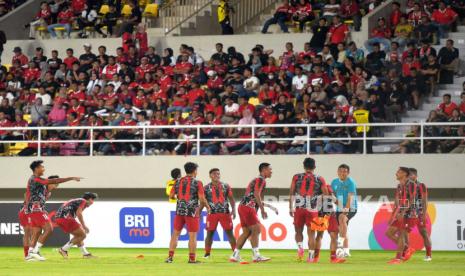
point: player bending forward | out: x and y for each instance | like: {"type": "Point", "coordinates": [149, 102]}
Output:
{"type": "Point", "coordinates": [219, 195]}
{"type": "Point", "coordinates": [250, 203]}
{"type": "Point", "coordinates": [65, 218]}
{"type": "Point", "coordinates": [188, 191]}
{"type": "Point", "coordinates": [36, 196]}
{"type": "Point", "coordinates": [403, 216]}
{"type": "Point", "coordinates": [422, 207]}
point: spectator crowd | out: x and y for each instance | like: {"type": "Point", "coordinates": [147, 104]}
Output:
{"type": "Point", "coordinates": [332, 80]}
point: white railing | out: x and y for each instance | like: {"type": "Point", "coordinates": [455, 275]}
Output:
{"type": "Point", "coordinates": [196, 141]}
{"type": "Point", "coordinates": [174, 14]}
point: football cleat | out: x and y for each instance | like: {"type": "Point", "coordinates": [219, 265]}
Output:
{"type": "Point", "coordinates": [338, 261]}
{"type": "Point", "coordinates": [169, 260]}
{"type": "Point", "coordinates": [408, 254]}
{"type": "Point", "coordinates": [37, 256]}
{"type": "Point", "coordinates": [63, 253]}
{"type": "Point", "coordinates": [260, 259]}
{"type": "Point", "coordinates": [89, 256]}
{"type": "Point", "coordinates": [193, 262]}
{"type": "Point", "coordinates": [428, 259]}
{"type": "Point", "coordinates": [395, 261]}
{"type": "Point", "coordinates": [300, 254]}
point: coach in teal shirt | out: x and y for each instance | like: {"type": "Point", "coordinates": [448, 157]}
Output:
{"type": "Point", "coordinates": [342, 187]}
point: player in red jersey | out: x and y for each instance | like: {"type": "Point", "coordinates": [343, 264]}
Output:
{"type": "Point", "coordinates": [36, 196]}
{"type": "Point", "coordinates": [422, 207]}
{"type": "Point", "coordinates": [65, 218]}
{"type": "Point", "coordinates": [302, 184]}
{"type": "Point", "coordinates": [327, 220]}
{"type": "Point", "coordinates": [250, 203]}
{"type": "Point", "coordinates": [188, 191]}
{"type": "Point", "coordinates": [219, 196]}
{"type": "Point", "coordinates": [403, 215]}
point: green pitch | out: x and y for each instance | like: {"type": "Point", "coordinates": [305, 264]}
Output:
{"type": "Point", "coordinates": [283, 263]}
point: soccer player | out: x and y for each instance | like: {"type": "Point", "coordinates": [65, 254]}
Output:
{"type": "Point", "coordinates": [326, 221]}
{"type": "Point", "coordinates": [250, 203]}
{"type": "Point", "coordinates": [402, 217]}
{"type": "Point", "coordinates": [219, 196]}
{"type": "Point", "coordinates": [175, 175]}
{"type": "Point", "coordinates": [188, 191]}
{"type": "Point", "coordinates": [36, 196]}
{"type": "Point", "coordinates": [345, 190]}
{"type": "Point", "coordinates": [65, 218]}
{"type": "Point", "coordinates": [422, 207]}
{"type": "Point", "coordinates": [299, 202]}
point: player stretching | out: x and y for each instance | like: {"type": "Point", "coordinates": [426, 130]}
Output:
{"type": "Point", "coordinates": [422, 206]}
{"type": "Point", "coordinates": [219, 195]}
{"type": "Point", "coordinates": [326, 221]}
{"type": "Point", "coordinates": [250, 203]}
{"type": "Point", "coordinates": [188, 191]}
{"type": "Point", "coordinates": [36, 196]}
{"type": "Point", "coordinates": [345, 190]}
{"type": "Point", "coordinates": [65, 218]}
{"type": "Point", "coordinates": [301, 187]}
{"type": "Point", "coordinates": [25, 222]}
{"type": "Point", "coordinates": [401, 216]}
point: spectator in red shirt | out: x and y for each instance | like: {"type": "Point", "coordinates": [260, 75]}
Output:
{"type": "Point", "coordinates": [282, 14]}
{"type": "Point", "coordinates": [70, 58]}
{"type": "Point", "coordinates": [444, 19]}
{"type": "Point", "coordinates": [215, 83]}
{"type": "Point", "coordinates": [447, 106]}
{"type": "Point", "coordinates": [396, 14]}
{"type": "Point", "coordinates": [43, 18]}
{"type": "Point", "coordinates": [415, 16]}
{"type": "Point", "coordinates": [214, 107]}
{"type": "Point", "coordinates": [111, 69]}
{"type": "Point", "coordinates": [337, 34]}
{"type": "Point", "coordinates": [351, 11]}
{"type": "Point", "coordinates": [78, 6]}
{"type": "Point", "coordinates": [381, 34]}
{"type": "Point", "coordinates": [141, 39]}
{"type": "Point", "coordinates": [32, 73]}
{"type": "Point", "coordinates": [65, 19]}
{"type": "Point", "coordinates": [303, 14]}
{"type": "Point", "coordinates": [184, 66]}
{"type": "Point", "coordinates": [19, 56]}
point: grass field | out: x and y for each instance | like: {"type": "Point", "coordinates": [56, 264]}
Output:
{"type": "Point", "coordinates": [124, 262]}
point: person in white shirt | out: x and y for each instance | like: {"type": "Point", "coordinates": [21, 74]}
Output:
{"type": "Point", "coordinates": [251, 84]}
{"type": "Point", "coordinates": [88, 19]}
{"type": "Point", "coordinates": [299, 81]}
{"type": "Point", "coordinates": [46, 99]}
{"type": "Point", "coordinates": [231, 110]}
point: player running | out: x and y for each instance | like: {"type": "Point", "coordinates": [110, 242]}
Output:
{"type": "Point", "coordinates": [345, 190]}
{"type": "Point", "coordinates": [188, 191]}
{"type": "Point", "coordinates": [299, 204]}
{"type": "Point", "coordinates": [403, 216]}
{"type": "Point", "coordinates": [250, 203]}
{"type": "Point", "coordinates": [422, 207]}
{"type": "Point", "coordinates": [219, 196]}
{"type": "Point", "coordinates": [326, 221]}
{"type": "Point", "coordinates": [36, 196]}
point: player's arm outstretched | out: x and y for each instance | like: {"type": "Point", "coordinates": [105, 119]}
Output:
{"type": "Point", "coordinates": [57, 181]}
{"type": "Point", "coordinates": [81, 219]}
{"type": "Point", "coordinates": [274, 209]}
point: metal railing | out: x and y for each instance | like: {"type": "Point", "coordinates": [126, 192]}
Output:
{"type": "Point", "coordinates": [177, 12]}
{"type": "Point", "coordinates": [143, 136]}
{"type": "Point", "coordinates": [245, 11]}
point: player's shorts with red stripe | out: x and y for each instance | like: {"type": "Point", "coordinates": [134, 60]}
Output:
{"type": "Point", "coordinates": [410, 223]}
{"type": "Point", "coordinates": [38, 219]}
{"type": "Point", "coordinates": [247, 215]}
{"type": "Point", "coordinates": [224, 219]}
{"type": "Point", "coordinates": [192, 223]}
{"type": "Point", "coordinates": [68, 225]}
{"type": "Point", "coordinates": [333, 225]}
{"type": "Point", "coordinates": [303, 217]}
{"type": "Point", "coordinates": [23, 219]}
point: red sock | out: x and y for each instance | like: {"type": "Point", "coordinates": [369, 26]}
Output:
{"type": "Point", "coordinates": [333, 254]}
{"type": "Point", "coordinates": [192, 257]}
{"type": "Point", "coordinates": [428, 251]}
{"type": "Point", "coordinates": [399, 255]}
{"type": "Point", "coordinates": [208, 249]}
{"type": "Point", "coordinates": [233, 247]}
{"type": "Point", "coordinates": [317, 253]}
{"type": "Point", "coordinates": [171, 254]}
{"type": "Point", "coordinates": [26, 251]}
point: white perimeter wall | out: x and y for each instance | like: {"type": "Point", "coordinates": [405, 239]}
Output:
{"type": "Point", "coordinates": [370, 171]}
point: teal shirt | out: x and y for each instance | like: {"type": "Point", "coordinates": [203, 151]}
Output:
{"type": "Point", "coordinates": [342, 189]}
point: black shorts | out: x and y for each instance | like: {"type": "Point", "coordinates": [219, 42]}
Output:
{"type": "Point", "coordinates": [350, 215]}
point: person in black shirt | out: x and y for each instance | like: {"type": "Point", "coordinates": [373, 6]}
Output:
{"type": "Point", "coordinates": [232, 53]}
{"type": "Point", "coordinates": [376, 108]}
{"type": "Point", "coordinates": [415, 86]}
{"type": "Point", "coordinates": [54, 62]}
{"type": "Point", "coordinates": [284, 107]}
{"type": "Point", "coordinates": [87, 58]}
{"type": "Point", "coordinates": [431, 70]}
{"type": "Point", "coordinates": [50, 85]}
{"type": "Point", "coordinates": [448, 58]}
{"type": "Point", "coordinates": [425, 30]}
{"type": "Point", "coordinates": [153, 57]}
{"type": "Point", "coordinates": [375, 59]}
{"type": "Point", "coordinates": [220, 55]}
{"type": "Point", "coordinates": [39, 57]}
{"type": "Point", "coordinates": [395, 103]}
{"type": "Point", "coordinates": [135, 18]}
{"type": "Point", "coordinates": [319, 35]}
{"type": "Point", "coordinates": [109, 20]}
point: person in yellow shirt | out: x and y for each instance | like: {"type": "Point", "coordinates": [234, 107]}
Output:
{"type": "Point", "coordinates": [175, 175]}
{"type": "Point", "coordinates": [223, 17]}
{"type": "Point", "coordinates": [403, 32]}
{"type": "Point", "coordinates": [363, 116]}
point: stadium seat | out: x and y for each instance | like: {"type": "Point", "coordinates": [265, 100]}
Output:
{"type": "Point", "coordinates": [349, 22]}
{"type": "Point", "coordinates": [126, 11]}
{"type": "Point", "coordinates": [42, 30]}
{"type": "Point", "coordinates": [14, 149]}
{"type": "Point", "coordinates": [254, 101]}
{"type": "Point", "coordinates": [7, 66]}
{"type": "Point", "coordinates": [27, 118]}
{"type": "Point", "coordinates": [151, 10]}
{"type": "Point", "coordinates": [104, 9]}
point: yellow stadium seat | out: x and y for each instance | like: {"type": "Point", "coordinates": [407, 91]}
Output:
{"type": "Point", "coordinates": [41, 29]}
{"type": "Point", "coordinates": [61, 29]}
{"type": "Point", "coordinates": [14, 149]}
{"type": "Point", "coordinates": [185, 115]}
{"type": "Point", "coordinates": [254, 101]}
{"type": "Point", "coordinates": [7, 66]}
{"type": "Point", "coordinates": [142, 3]}
{"type": "Point", "coordinates": [151, 10]}
{"type": "Point", "coordinates": [349, 22]}
{"type": "Point", "coordinates": [104, 9]}
{"type": "Point", "coordinates": [27, 118]}
{"type": "Point", "coordinates": [126, 10]}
